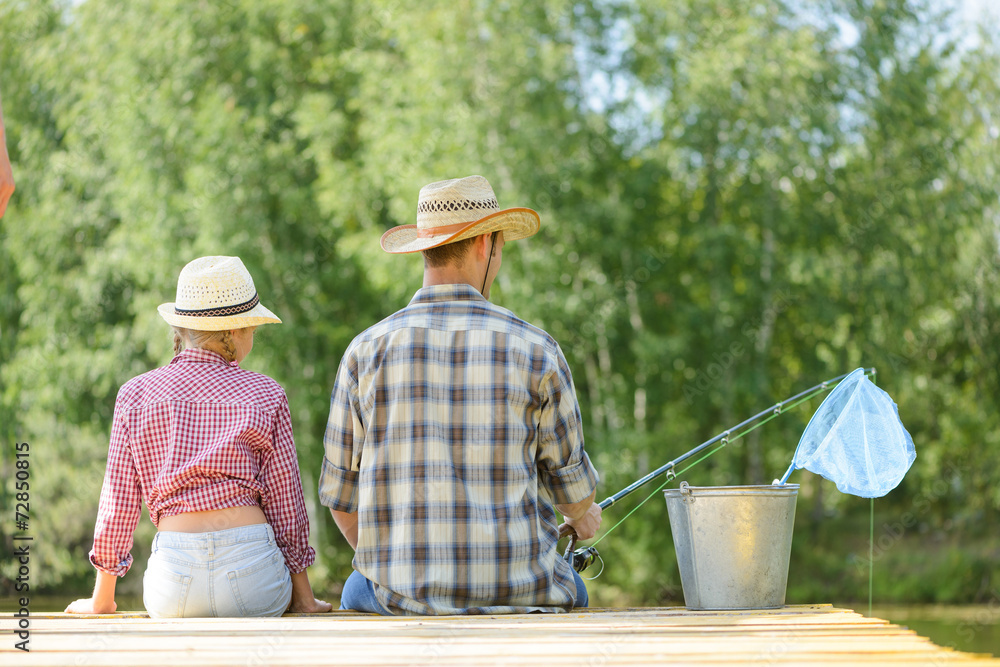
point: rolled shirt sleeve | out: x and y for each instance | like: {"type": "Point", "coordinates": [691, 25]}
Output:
{"type": "Point", "coordinates": [285, 508]}
{"type": "Point", "coordinates": [120, 504]}
{"type": "Point", "coordinates": [345, 435]}
{"type": "Point", "coordinates": [564, 467]}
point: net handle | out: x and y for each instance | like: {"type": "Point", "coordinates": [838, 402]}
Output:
{"type": "Point", "coordinates": [791, 466]}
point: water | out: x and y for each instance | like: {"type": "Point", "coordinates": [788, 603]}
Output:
{"type": "Point", "coordinates": [973, 629]}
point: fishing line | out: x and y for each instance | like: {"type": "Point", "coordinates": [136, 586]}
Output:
{"type": "Point", "coordinates": [871, 539]}
{"type": "Point", "coordinates": [598, 572]}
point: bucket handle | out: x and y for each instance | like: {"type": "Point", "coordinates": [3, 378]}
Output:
{"type": "Point", "coordinates": [686, 494]}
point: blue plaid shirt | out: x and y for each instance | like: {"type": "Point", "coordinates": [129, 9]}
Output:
{"type": "Point", "coordinates": [454, 428]}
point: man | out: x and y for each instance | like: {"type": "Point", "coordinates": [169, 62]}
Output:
{"type": "Point", "coordinates": [454, 428]}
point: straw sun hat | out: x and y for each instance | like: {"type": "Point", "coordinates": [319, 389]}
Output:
{"type": "Point", "coordinates": [216, 294]}
{"type": "Point", "coordinates": [449, 211]}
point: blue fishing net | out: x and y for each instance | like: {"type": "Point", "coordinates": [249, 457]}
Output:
{"type": "Point", "coordinates": [856, 440]}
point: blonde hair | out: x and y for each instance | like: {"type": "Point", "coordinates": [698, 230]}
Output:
{"type": "Point", "coordinates": [214, 341]}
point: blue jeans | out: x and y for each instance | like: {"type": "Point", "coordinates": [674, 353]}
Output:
{"type": "Point", "coordinates": [582, 599]}
{"type": "Point", "coordinates": [229, 573]}
{"type": "Point", "coordinates": [359, 594]}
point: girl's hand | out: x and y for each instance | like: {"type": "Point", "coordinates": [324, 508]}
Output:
{"type": "Point", "coordinates": [303, 600]}
{"type": "Point", "coordinates": [90, 606]}
{"type": "Point", "coordinates": [309, 606]}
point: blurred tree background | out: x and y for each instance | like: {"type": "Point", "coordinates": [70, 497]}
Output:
{"type": "Point", "coordinates": [739, 199]}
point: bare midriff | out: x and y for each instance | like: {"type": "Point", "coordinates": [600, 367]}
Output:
{"type": "Point", "coordinates": [212, 520]}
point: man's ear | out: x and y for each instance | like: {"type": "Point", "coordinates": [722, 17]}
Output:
{"type": "Point", "coordinates": [482, 245]}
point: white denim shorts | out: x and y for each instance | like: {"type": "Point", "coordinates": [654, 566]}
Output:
{"type": "Point", "coordinates": [233, 572]}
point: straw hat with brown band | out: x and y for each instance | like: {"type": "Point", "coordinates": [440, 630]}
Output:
{"type": "Point", "coordinates": [457, 209]}
{"type": "Point", "coordinates": [216, 294]}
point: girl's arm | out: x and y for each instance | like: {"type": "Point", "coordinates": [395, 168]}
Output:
{"type": "Point", "coordinates": [117, 516]}
{"type": "Point", "coordinates": [103, 601]}
{"type": "Point", "coordinates": [303, 600]}
{"type": "Point", "coordinates": [286, 512]}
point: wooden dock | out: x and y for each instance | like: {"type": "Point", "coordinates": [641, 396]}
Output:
{"type": "Point", "coordinates": [793, 635]}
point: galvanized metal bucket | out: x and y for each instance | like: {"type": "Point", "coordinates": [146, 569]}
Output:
{"type": "Point", "coordinates": [733, 543]}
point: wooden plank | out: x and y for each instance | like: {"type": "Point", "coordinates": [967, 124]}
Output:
{"type": "Point", "coordinates": [611, 619]}
{"type": "Point", "coordinates": [807, 634]}
{"type": "Point", "coordinates": [138, 642]}
{"type": "Point", "coordinates": [403, 655]}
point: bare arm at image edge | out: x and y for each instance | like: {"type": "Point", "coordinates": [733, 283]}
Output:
{"type": "Point", "coordinates": [6, 174]}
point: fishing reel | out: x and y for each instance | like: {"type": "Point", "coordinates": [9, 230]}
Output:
{"type": "Point", "coordinates": [579, 559]}
{"type": "Point", "coordinates": [583, 558]}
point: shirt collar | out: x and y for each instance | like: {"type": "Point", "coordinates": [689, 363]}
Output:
{"type": "Point", "coordinates": [196, 355]}
{"type": "Point", "coordinates": [439, 293]}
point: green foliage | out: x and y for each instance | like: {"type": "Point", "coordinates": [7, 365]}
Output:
{"type": "Point", "coordinates": [919, 561]}
{"type": "Point", "coordinates": [738, 199]}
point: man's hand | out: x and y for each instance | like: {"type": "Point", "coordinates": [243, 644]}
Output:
{"type": "Point", "coordinates": [587, 525]}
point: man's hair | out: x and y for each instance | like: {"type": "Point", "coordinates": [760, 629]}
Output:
{"type": "Point", "coordinates": [448, 253]}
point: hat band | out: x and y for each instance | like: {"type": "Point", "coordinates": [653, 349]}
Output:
{"type": "Point", "coordinates": [429, 232]}
{"type": "Point", "coordinates": [221, 311]}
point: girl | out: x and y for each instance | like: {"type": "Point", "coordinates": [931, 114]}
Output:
{"type": "Point", "coordinates": [208, 447]}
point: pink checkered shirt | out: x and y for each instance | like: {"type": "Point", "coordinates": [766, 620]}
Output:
{"type": "Point", "coordinates": [200, 434]}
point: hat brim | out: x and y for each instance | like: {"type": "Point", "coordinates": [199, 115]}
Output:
{"type": "Point", "coordinates": [515, 223]}
{"type": "Point", "coordinates": [252, 318]}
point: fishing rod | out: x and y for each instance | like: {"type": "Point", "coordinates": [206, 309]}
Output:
{"type": "Point", "coordinates": [580, 559]}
